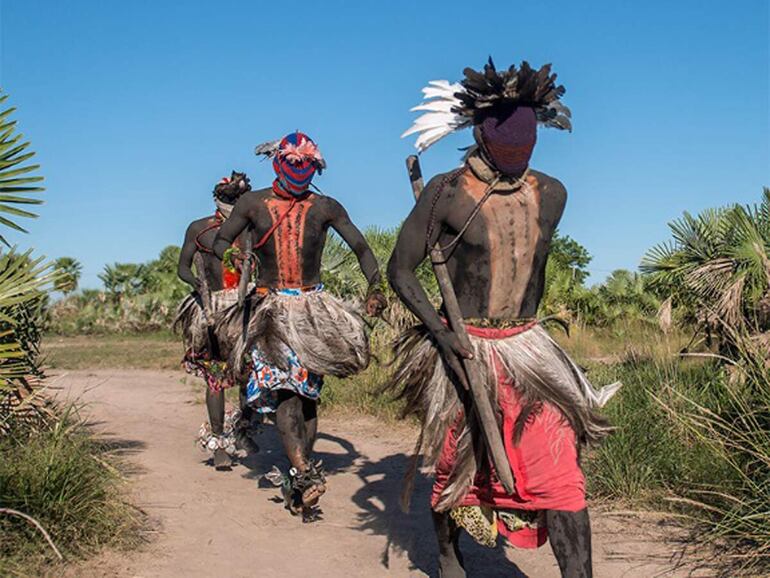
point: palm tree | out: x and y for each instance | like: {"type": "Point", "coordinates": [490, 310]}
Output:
{"type": "Point", "coordinates": [628, 297]}
{"type": "Point", "coordinates": [124, 279]}
{"type": "Point", "coordinates": [69, 270]}
{"type": "Point", "coordinates": [716, 268]}
{"type": "Point", "coordinates": [161, 275]}
{"type": "Point", "coordinates": [24, 280]}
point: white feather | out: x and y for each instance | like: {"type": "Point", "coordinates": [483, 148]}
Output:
{"type": "Point", "coordinates": [435, 106]}
{"type": "Point", "coordinates": [432, 119]}
{"type": "Point", "coordinates": [431, 136]}
{"type": "Point", "coordinates": [439, 102]}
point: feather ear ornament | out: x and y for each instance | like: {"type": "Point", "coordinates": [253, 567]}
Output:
{"type": "Point", "coordinates": [268, 149]}
{"type": "Point", "coordinates": [449, 107]}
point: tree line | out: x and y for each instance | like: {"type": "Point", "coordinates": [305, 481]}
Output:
{"type": "Point", "coordinates": [714, 269]}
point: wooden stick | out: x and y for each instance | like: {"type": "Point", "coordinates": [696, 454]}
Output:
{"type": "Point", "coordinates": [246, 268]}
{"type": "Point", "coordinates": [471, 380]}
{"type": "Point", "coordinates": [37, 525]}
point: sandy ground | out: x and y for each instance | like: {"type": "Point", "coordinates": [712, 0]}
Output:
{"type": "Point", "coordinates": [209, 523]}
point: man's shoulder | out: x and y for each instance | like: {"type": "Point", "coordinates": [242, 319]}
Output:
{"type": "Point", "coordinates": [327, 203]}
{"type": "Point", "coordinates": [251, 199]}
{"type": "Point", "coordinates": [549, 182]}
{"type": "Point", "coordinates": [447, 177]}
{"type": "Point", "coordinates": [448, 183]}
{"type": "Point", "coordinates": [201, 223]}
{"type": "Point", "coordinates": [549, 186]}
{"type": "Point", "coordinates": [553, 196]}
{"type": "Point", "coordinates": [257, 195]}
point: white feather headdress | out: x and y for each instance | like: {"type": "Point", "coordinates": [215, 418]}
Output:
{"type": "Point", "coordinates": [440, 118]}
{"type": "Point", "coordinates": [450, 107]}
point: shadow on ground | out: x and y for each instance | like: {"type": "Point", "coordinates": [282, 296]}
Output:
{"type": "Point", "coordinates": [412, 533]}
{"type": "Point", "coordinates": [271, 454]}
{"type": "Point", "coordinates": [379, 504]}
{"type": "Point", "coordinates": [119, 447]}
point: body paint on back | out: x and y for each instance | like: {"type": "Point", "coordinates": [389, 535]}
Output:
{"type": "Point", "coordinates": [288, 239]}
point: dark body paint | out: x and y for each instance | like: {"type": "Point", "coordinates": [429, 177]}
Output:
{"type": "Point", "coordinates": [291, 257]}
{"type": "Point", "coordinates": [202, 231]}
{"type": "Point", "coordinates": [498, 271]}
{"type": "Point", "coordinates": [498, 267]}
{"type": "Point", "coordinates": [311, 219]}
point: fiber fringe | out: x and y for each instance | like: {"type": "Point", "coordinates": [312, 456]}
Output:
{"type": "Point", "coordinates": [191, 322]}
{"type": "Point", "coordinates": [541, 371]}
{"type": "Point", "coordinates": [327, 335]}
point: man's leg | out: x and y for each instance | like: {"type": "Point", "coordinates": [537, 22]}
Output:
{"type": "Point", "coordinates": [310, 415]}
{"type": "Point", "coordinates": [215, 404]}
{"type": "Point", "coordinates": [243, 427]}
{"type": "Point", "coordinates": [570, 537]}
{"type": "Point", "coordinates": [291, 425]}
{"type": "Point", "coordinates": [450, 558]}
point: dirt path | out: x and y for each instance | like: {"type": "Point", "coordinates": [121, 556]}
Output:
{"type": "Point", "coordinates": [213, 523]}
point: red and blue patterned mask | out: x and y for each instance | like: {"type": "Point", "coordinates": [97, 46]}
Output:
{"type": "Point", "coordinates": [296, 162]}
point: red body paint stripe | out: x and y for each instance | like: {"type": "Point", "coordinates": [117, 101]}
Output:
{"type": "Point", "coordinates": [288, 239]}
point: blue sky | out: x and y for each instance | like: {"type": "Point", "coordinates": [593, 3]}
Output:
{"type": "Point", "coordinates": [137, 108]}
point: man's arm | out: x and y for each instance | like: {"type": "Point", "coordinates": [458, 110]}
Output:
{"type": "Point", "coordinates": [357, 242]}
{"type": "Point", "coordinates": [554, 200]}
{"type": "Point", "coordinates": [235, 224]}
{"type": "Point", "coordinates": [410, 250]}
{"type": "Point", "coordinates": [341, 223]}
{"type": "Point", "coordinates": [184, 268]}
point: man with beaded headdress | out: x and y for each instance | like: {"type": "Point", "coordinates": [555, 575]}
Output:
{"type": "Point", "coordinates": [493, 219]}
{"type": "Point", "coordinates": [215, 287]}
{"type": "Point", "coordinates": [290, 333]}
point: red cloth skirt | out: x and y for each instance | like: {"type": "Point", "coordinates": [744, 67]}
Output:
{"type": "Point", "coordinates": [545, 464]}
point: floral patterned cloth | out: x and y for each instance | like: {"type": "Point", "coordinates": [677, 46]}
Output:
{"type": "Point", "coordinates": [214, 372]}
{"type": "Point", "coordinates": [266, 380]}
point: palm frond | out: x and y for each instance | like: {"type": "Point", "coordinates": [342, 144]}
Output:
{"type": "Point", "coordinates": [717, 263]}
{"type": "Point", "coordinates": [15, 189]}
{"type": "Point", "coordinates": [24, 282]}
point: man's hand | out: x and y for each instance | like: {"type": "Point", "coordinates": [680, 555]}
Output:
{"type": "Point", "coordinates": [234, 258]}
{"type": "Point", "coordinates": [376, 303]}
{"type": "Point", "coordinates": [452, 351]}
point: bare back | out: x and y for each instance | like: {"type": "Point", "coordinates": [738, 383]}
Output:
{"type": "Point", "coordinates": [290, 236]}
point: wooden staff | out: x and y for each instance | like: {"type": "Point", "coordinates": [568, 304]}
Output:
{"type": "Point", "coordinates": [247, 268]}
{"type": "Point", "coordinates": [472, 379]}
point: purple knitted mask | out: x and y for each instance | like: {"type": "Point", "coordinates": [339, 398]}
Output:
{"type": "Point", "coordinates": [509, 143]}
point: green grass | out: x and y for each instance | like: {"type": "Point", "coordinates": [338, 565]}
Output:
{"type": "Point", "coordinates": [612, 344]}
{"type": "Point", "coordinates": [650, 457]}
{"type": "Point", "coordinates": [693, 438]}
{"type": "Point", "coordinates": [359, 394]}
{"type": "Point", "coordinates": [68, 481]}
{"type": "Point", "coordinates": [157, 350]}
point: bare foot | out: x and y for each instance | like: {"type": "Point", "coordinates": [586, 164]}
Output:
{"type": "Point", "coordinates": [312, 494]}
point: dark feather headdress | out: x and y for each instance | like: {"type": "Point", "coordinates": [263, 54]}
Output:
{"type": "Point", "coordinates": [481, 94]}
